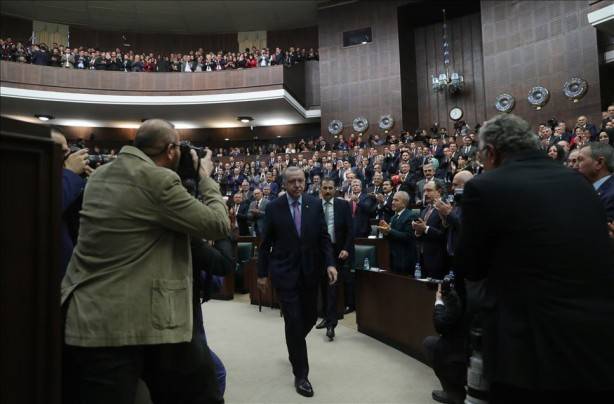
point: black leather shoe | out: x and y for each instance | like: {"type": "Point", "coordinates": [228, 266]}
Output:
{"type": "Point", "coordinates": [321, 324]}
{"type": "Point", "coordinates": [330, 333]}
{"type": "Point", "coordinates": [446, 397]}
{"type": "Point", "coordinates": [348, 310]}
{"type": "Point", "coordinates": [303, 387]}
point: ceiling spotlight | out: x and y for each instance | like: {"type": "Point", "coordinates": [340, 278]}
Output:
{"type": "Point", "coordinates": [278, 137]}
{"type": "Point", "coordinates": [226, 139]}
{"type": "Point", "coordinates": [44, 117]}
{"type": "Point", "coordinates": [245, 119]}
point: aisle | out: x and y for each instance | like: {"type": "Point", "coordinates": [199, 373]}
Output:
{"type": "Point", "coordinates": [353, 369]}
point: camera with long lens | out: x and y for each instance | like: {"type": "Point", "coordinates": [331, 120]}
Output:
{"type": "Point", "coordinates": [186, 170]}
{"type": "Point", "coordinates": [93, 160]}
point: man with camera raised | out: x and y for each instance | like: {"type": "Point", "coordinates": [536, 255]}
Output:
{"type": "Point", "coordinates": [127, 293]}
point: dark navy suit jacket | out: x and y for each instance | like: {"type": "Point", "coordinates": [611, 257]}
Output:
{"type": "Point", "coordinates": [364, 211]}
{"type": "Point", "coordinates": [72, 188]}
{"type": "Point", "coordinates": [344, 232]}
{"type": "Point", "coordinates": [402, 244]}
{"type": "Point", "coordinates": [606, 194]}
{"type": "Point", "coordinates": [294, 260]}
{"type": "Point", "coordinates": [433, 246]}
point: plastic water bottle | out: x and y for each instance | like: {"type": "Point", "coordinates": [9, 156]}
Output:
{"type": "Point", "coordinates": [366, 266]}
{"type": "Point", "coordinates": [418, 271]}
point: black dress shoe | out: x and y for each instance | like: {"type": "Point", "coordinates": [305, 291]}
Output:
{"type": "Point", "coordinates": [330, 333]}
{"type": "Point", "coordinates": [348, 310]}
{"type": "Point", "coordinates": [303, 387]}
{"type": "Point", "coordinates": [321, 324]}
{"type": "Point", "coordinates": [447, 397]}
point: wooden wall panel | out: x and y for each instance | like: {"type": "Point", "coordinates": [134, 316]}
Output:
{"type": "Point", "coordinates": [156, 43]}
{"type": "Point", "coordinates": [312, 84]}
{"type": "Point", "coordinates": [529, 43]}
{"type": "Point", "coordinates": [362, 80]}
{"type": "Point", "coordinates": [123, 83]}
{"type": "Point", "coordinates": [30, 212]}
{"type": "Point", "coordinates": [16, 28]}
{"type": "Point", "coordinates": [306, 37]}
{"type": "Point", "coordinates": [464, 34]}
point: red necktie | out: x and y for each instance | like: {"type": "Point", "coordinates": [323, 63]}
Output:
{"type": "Point", "coordinates": [354, 206]}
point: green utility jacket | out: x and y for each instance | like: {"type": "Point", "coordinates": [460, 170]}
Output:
{"type": "Point", "coordinates": [129, 281]}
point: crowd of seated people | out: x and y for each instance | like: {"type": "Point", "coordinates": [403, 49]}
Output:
{"type": "Point", "coordinates": [131, 61]}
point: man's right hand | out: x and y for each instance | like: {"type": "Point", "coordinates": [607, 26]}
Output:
{"type": "Point", "coordinates": [263, 284]}
{"type": "Point", "coordinates": [77, 161]}
{"type": "Point", "coordinates": [206, 165]}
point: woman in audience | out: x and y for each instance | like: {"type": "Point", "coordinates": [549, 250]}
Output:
{"type": "Point", "coordinates": [557, 153]}
{"type": "Point", "coordinates": [604, 138]}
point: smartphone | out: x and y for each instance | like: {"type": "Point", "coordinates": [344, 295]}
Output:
{"type": "Point", "coordinates": [414, 214]}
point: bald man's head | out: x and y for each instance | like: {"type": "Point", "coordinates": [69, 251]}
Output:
{"type": "Point", "coordinates": [461, 178]}
{"type": "Point", "coordinates": [59, 138]}
{"type": "Point", "coordinates": [154, 135]}
{"type": "Point", "coordinates": [159, 140]}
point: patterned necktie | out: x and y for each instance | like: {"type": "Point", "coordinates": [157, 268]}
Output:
{"type": "Point", "coordinates": [297, 216]}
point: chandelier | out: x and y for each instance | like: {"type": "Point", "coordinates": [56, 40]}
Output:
{"type": "Point", "coordinates": [452, 81]}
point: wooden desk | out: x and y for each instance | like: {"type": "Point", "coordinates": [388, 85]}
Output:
{"type": "Point", "coordinates": [395, 309]}
{"type": "Point", "coordinates": [227, 291]}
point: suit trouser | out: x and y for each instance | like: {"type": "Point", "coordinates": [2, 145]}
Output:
{"type": "Point", "coordinates": [347, 276]}
{"type": "Point", "coordinates": [174, 373]}
{"type": "Point", "coordinates": [299, 307]}
{"type": "Point", "coordinates": [329, 295]}
{"type": "Point", "coordinates": [451, 374]}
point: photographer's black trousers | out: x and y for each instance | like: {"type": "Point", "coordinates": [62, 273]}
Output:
{"type": "Point", "coordinates": [174, 374]}
{"type": "Point", "coordinates": [449, 366]}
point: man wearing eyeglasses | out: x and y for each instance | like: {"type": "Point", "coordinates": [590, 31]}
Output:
{"type": "Point", "coordinates": [127, 292]}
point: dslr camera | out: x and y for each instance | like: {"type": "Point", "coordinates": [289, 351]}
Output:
{"type": "Point", "coordinates": [186, 170]}
{"type": "Point", "coordinates": [93, 160]}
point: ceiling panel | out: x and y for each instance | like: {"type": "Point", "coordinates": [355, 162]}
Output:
{"type": "Point", "coordinates": [169, 16]}
{"type": "Point", "coordinates": [265, 113]}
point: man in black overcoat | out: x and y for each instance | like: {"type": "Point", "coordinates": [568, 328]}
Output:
{"type": "Point", "coordinates": [536, 232]}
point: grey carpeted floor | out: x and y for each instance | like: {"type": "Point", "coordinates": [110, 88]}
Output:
{"type": "Point", "coordinates": [352, 369]}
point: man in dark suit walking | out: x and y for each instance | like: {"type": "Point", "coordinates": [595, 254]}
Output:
{"type": "Point", "coordinates": [431, 234]}
{"type": "Point", "coordinates": [338, 218]}
{"type": "Point", "coordinates": [400, 236]}
{"type": "Point", "coordinates": [547, 315]}
{"type": "Point", "coordinates": [295, 250]}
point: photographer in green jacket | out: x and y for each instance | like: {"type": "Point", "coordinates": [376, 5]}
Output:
{"type": "Point", "coordinates": [127, 292]}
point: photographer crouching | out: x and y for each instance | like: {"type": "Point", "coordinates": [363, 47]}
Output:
{"type": "Point", "coordinates": [127, 293]}
{"type": "Point", "coordinates": [448, 353]}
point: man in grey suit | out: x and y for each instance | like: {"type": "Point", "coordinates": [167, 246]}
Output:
{"type": "Point", "coordinates": [127, 292]}
{"type": "Point", "coordinates": [256, 211]}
